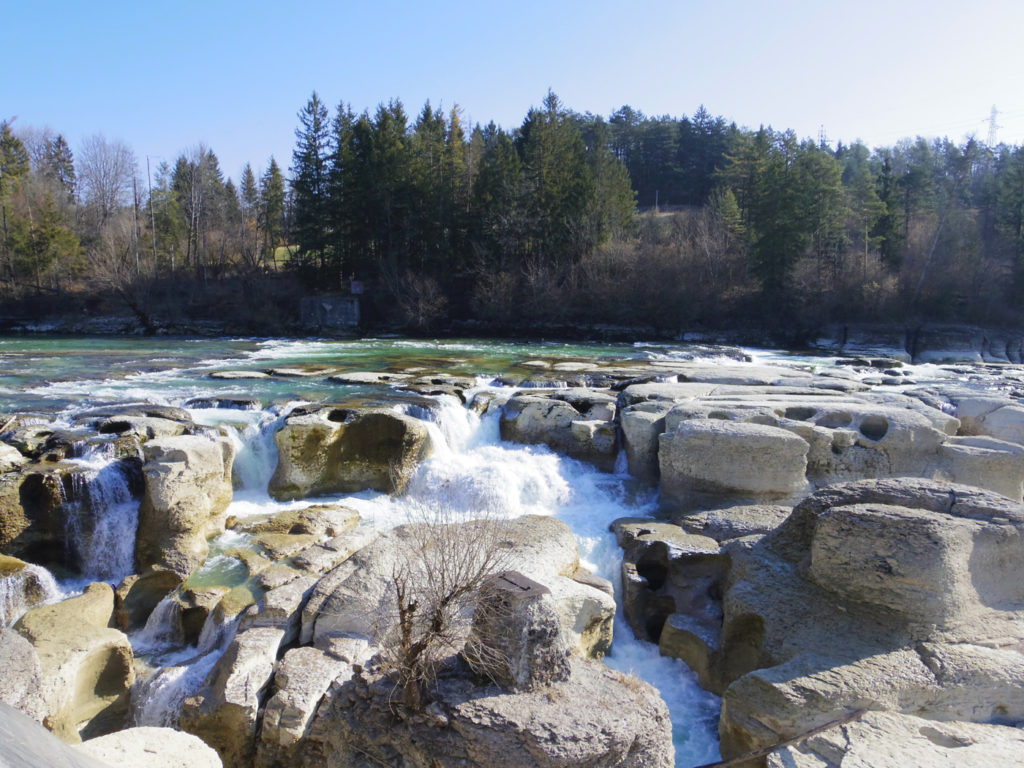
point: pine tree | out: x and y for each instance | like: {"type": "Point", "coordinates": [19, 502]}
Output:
{"type": "Point", "coordinates": [310, 187]}
{"type": "Point", "coordinates": [272, 210]}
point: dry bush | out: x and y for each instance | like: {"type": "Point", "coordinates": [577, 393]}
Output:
{"type": "Point", "coordinates": [425, 617]}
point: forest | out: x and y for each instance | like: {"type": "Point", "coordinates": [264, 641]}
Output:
{"type": "Point", "coordinates": [657, 222]}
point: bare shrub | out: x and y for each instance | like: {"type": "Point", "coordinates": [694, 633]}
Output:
{"type": "Point", "coordinates": [425, 616]}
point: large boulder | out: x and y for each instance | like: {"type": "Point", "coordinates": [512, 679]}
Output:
{"type": "Point", "coordinates": [86, 666]}
{"type": "Point", "coordinates": [337, 449]}
{"type": "Point", "coordinates": [148, 747]}
{"type": "Point", "coordinates": [622, 723]}
{"type": "Point", "coordinates": [704, 458]}
{"type": "Point", "coordinates": [901, 595]}
{"type": "Point", "coordinates": [22, 678]}
{"type": "Point", "coordinates": [187, 490]}
{"type": "Point", "coordinates": [353, 598]}
{"type": "Point", "coordinates": [566, 423]}
{"type": "Point", "coordinates": [24, 743]}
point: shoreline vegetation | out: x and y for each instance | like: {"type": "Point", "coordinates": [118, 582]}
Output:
{"type": "Point", "coordinates": [569, 225]}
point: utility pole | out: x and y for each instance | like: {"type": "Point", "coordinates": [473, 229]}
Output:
{"type": "Point", "coordinates": [152, 212]}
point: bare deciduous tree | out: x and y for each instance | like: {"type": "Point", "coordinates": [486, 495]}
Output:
{"type": "Point", "coordinates": [105, 172]}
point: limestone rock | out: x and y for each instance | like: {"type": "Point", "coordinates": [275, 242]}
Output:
{"type": "Point", "coordinates": [10, 458]}
{"type": "Point", "coordinates": [24, 743]}
{"type": "Point", "coordinates": [706, 457]}
{"type": "Point", "coordinates": [539, 420]}
{"type": "Point", "coordinates": [349, 599]}
{"type": "Point", "coordinates": [984, 462]}
{"type": "Point", "coordinates": [149, 747]}
{"type": "Point", "coordinates": [320, 520]}
{"type": "Point", "coordinates": [224, 712]}
{"type": "Point", "coordinates": [345, 450]}
{"type": "Point", "coordinates": [516, 639]}
{"type": "Point", "coordinates": [734, 522]}
{"type": "Point", "coordinates": [642, 424]}
{"type": "Point", "coordinates": [624, 723]}
{"type": "Point", "coordinates": [86, 666]}
{"type": "Point", "coordinates": [21, 680]}
{"type": "Point", "coordinates": [301, 679]}
{"type": "Point", "coordinates": [887, 740]}
{"type": "Point", "coordinates": [187, 489]}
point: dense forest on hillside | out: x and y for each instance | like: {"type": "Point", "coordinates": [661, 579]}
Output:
{"type": "Point", "coordinates": [661, 222]}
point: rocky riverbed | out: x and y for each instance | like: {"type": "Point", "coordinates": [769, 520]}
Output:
{"type": "Point", "coordinates": [813, 537]}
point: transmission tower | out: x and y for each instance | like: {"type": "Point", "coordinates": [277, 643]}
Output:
{"type": "Point", "coordinates": [993, 126]}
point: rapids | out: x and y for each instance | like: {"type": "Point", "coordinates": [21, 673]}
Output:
{"type": "Point", "coordinates": [471, 472]}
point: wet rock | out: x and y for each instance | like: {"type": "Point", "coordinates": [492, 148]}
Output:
{"type": "Point", "coordinates": [137, 595]}
{"type": "Point", "coordinates": [344, 450]}
{"type": "Point", "coordinates": [187, 490]}
{"type": "Point", "coordinates": [535, 419]}
{"type": "Point", "coordinates": [10, 458]}
{"type": "Point", "coordinates": [321, 520]}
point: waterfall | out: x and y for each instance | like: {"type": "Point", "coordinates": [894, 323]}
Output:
{"type": "Point", "coordinates": [102, 518]}
{"type": "Point", "coordinates": [26, 587]}
{"type": "Point", "coordinates": [157, 701]}
{"type": "Point", "coordinates": [163, 628]}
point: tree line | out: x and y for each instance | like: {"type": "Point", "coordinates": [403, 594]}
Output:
{"type": "Point", "coordinates": [569, 218]}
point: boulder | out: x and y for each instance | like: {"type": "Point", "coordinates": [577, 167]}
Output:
{"type": "Point", "coordinates": [320, 520]}
{"type": "Point", "coordinates": [516, 637]}
{"type": "Point", "coordinates": [642, 424]}
{"type": "Point", "coordinates": [10, 458]}
{"type": "Point", "coordinates": [224, 712]}
{"type": "Point", "coordinates": [148, 747]}
{"type": "Point", "coordinates": [187, 490]}
{"type": "Point", "coordinates": [86, 666]}
{"type": "Point", "coordinates": [887, 740]}
{"type": "Point", "coordinates": [623, 723]}
{"type": "Point", "coordinates": [983, 462]}
{"type": "Point", "coordinates": [538, 420]}
{"type": "Point", "coordinates": [352, 598]}
{"type": "Point", "coordinates": [705, 458]}
{"type": "Point", "coordinates": [281, 608]}
{"type": "Point", "coordinates": [137, 595]}
{"type": "Point", "coordinates": [24, 743]}
{"type": "Point", "coordinates": [901, 595]}
{"type": "Point", "coordinates": [335, 449]}
{"type": "Point", "coordinates": [733, 522]}
{"type": "Point", "coordinates": [22, 679]}
{"type": "Point", "coordinates": [301, 679]}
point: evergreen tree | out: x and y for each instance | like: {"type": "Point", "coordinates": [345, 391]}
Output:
{"type": "Point", "coordinates": [310, 187]}
{"type": "Point", "coordinates": [272, 210]}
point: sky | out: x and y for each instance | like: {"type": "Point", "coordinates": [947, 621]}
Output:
{"type": "Point", "coordinates": [165, 76]}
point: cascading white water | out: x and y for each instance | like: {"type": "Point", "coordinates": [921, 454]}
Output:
{"type": "Point", "coordinates": [163, 627]}
{"type": "Point", "coordinates": [102, 518]}
{"type": "Point", "coordinates": [19, 591]}
{"type": "Point", "coordinates": [157, 701]}
{"type": "Point", "coordinates": [474, 472]}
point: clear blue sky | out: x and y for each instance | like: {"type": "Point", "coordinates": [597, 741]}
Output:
{"type": "Point", "coordinates": [165, 76]}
